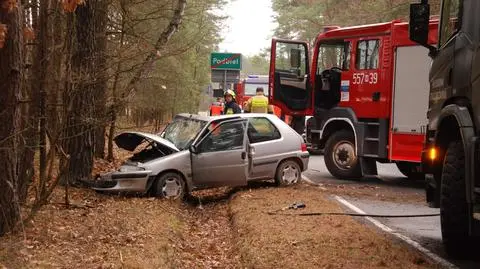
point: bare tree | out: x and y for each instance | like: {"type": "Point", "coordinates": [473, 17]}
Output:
{"type": "Point", "coordinates": [80, 98]}
{"type": "Point", "coordinates": [11, 77]}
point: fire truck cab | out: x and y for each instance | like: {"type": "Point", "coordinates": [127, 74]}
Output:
{"type": "Point", "coordinates": [366, 89]}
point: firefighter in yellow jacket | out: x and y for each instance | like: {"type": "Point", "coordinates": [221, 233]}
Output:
{"type": "Point", "coordinates": [258, 103]}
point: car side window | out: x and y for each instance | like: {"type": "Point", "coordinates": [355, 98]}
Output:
{"type": "Point", "coordinates": [367, 54]}
{"type": "Point", "coordinates": [261, 130]}
{"type": "Point", "coordinates": [226, 136]}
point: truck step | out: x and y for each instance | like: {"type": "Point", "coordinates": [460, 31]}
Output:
{"type": "Point", "coordinates": [369, 167]}
{"type": "Point", "coordinates": [372, 123]}
{"type": "Point", "coordinates": [370, 155]}
{"type": "Point", "coordinates": [376, 139]}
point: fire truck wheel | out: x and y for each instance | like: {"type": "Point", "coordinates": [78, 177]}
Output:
{"type": "Point", "coordinates": [454, 211]}
{"type": "Point", "coordinates": [340, 157]}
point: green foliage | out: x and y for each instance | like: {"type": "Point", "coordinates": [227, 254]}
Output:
{"type": "Point", "coordinates": [256, 65]}
{"type": "Point", "coordinates": [305, 19]}
{"type": "Point", "coordinates": [176, 81]}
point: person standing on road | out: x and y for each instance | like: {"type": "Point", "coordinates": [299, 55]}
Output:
{"type": "Point", "coordinates": [258, 103]}
{"type": "Point", "coordinates": [216, 108]}
{"type": "Point", "coordinates": [231, 106]}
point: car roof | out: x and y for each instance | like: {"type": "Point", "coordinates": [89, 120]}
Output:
{"type": "Point", "coordinates": [222, 117]}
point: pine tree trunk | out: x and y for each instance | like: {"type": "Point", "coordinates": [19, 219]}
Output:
{"type": "Point", "coordinates": [80, 129]}
{"type": "Point", "coordinates": [11, 77]}
{"type": "Point", "coordinates": [100, 23]}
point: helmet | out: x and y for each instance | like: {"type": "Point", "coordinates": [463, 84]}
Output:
{"type": "Point", "coordinates": [229, 92]}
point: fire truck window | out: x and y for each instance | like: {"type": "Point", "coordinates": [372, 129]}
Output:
{"type": "Point", "coordinates": [283, 59]}
{"type": "Point", "coordinates": [367, 54]}
{"type": "Point", "coordinates": [450, 23]}
{"type": "Point", "coordinates": [333, 55]}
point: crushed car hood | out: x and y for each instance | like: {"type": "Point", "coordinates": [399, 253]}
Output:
{"type": "Point", "coordinates": [130, 140]}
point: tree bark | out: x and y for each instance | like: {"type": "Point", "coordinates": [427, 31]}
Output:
{"type": "Point", "coordinates": [100, 23]}
{"type": "Point", "coordinates": [39, 84]}
{"type": "Point", "coordinates": [28, 144]}
{"type": "Point", "coordinates": [80, 99]}
{"type": "Point", "coordinates": [11, 77]}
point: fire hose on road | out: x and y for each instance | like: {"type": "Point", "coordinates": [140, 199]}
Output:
{"type": "Point", "coordinates": [300, 205]}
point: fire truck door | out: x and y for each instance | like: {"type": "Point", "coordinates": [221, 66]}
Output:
{"type": "Point", "coordinates": [289, 87]}
{"type": "Point", "coordinates": [410, 103]}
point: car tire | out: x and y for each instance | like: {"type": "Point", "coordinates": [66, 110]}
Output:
{"type": "Point", "coordinates": [288, 173]}
{"type": "Point", "coordinates": [340, 157]}
{"type": "Point", "coordinates": [454, 212]}
{"type": "Point", "coordinates": [408, 170]}
{"type": "Point", "coordinates": [170, 186]}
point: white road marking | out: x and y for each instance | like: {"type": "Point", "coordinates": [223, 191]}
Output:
{"type": "Point", "coordinates": [305, 178]}
{"type": "Point", "coordinates": [406, 239]}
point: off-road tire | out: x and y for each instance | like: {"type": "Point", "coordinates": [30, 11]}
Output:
{"type": "Point", "coordinates": [172, 178]}
{"type": "Point", "coordinates": [454, 211]}
{"type": "Point", "coordinates": [355, 171]}
{"type": "Point", "coordinates": [279, 173]}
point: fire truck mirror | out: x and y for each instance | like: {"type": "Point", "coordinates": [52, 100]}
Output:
{"type": "Point", "coordinates": [419, 22]}
{"type": "Point", "coordinates": [295, 58]}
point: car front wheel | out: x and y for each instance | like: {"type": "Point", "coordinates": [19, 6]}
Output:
{"type": "Point", "coordinates": [170, 186]}
{"type": "Point", "coordinates": [288, 173]}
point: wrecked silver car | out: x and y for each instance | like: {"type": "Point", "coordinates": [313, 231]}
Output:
{"type": "Point", "coordinates": [197, 152]}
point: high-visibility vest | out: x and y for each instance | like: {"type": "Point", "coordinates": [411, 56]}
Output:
{"type": "Point", "coordinates": [229, 111]}
{"type": "Point", "coordinates": [259, 104]}
{"type": "Point", "coordinates": [216, 110]}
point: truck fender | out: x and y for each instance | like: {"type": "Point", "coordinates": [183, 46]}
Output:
{"type": "Point", "coordinates": [332, 121]}
{"type": "Point", "coordinates": [467, 133]}
{"type": "Point", "coordinates": [464, 121]}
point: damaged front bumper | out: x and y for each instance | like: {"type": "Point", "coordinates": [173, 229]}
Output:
{"type": "Point", "coordinates": [132, 181]}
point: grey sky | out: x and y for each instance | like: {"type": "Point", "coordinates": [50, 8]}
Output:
{"type": "Point", "coordinates": [249, 27]}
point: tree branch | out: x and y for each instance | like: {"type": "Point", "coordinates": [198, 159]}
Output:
{"type": "Point", "coordinates": [159, 46]}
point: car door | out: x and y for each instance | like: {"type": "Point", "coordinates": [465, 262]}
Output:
{"type": "Point", "coordinates": [220, 158]}
{"type": "Point", "coordinates": [289, 86]}
{"type": "Point", "coordinates": [266, 145]}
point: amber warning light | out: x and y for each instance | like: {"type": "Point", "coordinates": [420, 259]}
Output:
{"type": "Point", "coordinates": [432, 154]}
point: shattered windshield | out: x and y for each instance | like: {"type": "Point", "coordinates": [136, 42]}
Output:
{"type": "Point", "coordinates": [182, 131]}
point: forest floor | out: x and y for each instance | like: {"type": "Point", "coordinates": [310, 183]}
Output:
{"type": "Point", "coordinates": [223, 228]}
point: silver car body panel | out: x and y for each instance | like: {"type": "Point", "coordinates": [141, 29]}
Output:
{"type": "Point", "coordinates": [262, 159]}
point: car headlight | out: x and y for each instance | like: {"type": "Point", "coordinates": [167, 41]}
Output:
{"type": "Point", "coordinates": [131, 169]}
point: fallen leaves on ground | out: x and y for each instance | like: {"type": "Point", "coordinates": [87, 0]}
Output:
{"type": "Point", "coordinates": [278, 241]}
{"type": "Point", "coordinates": [219, 228]}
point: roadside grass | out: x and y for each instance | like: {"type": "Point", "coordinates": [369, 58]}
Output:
{"type": "Point", "coordinates": [279, 241]}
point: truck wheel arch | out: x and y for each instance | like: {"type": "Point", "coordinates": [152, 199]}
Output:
{"type": "Point", "coordinates": [335, 124]}
{"type": "Point", "coordinates": [454, 117]}
{"type": "Point", "coordinates": [458, 118]}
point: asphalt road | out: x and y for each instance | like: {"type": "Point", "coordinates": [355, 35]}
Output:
{"type": "Point", "coordinates": [425, 230]}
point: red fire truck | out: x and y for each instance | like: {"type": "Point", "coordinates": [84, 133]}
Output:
{"type": "Point", "coordinates": [367, 90]}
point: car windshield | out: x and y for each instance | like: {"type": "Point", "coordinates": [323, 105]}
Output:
{"type": "Point", "coordinates": [251, 89]}
{"type": "Point", "coordinates": [182, 131]}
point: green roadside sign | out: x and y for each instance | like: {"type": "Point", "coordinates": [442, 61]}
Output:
{"type": "Point", "coordinates": [226, 61]}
